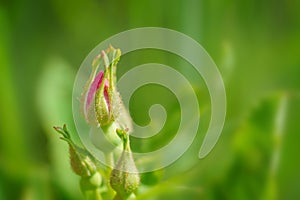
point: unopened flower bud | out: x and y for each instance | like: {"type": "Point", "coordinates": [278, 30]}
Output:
{"type": "Point", "coordinates": [101, 102]}
{"type": "Point", "coordinates": [124, 177]}
{"type": "Point", "coordinates": [80, 159]}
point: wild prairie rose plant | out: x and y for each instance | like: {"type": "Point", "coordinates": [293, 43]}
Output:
{"type": "Point", "coordinates": [103, 108]}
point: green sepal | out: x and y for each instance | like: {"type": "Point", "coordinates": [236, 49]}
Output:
{"type": "Point", "coordinates": [102, 110]}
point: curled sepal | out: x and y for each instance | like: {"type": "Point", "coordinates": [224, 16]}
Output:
{"type": "Point", "coordinates": [82, 162]}
{"type": "Point", "coordinates": [124, 178]}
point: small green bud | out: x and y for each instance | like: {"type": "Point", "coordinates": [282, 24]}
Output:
{"type": "Point", "coordinates": [77, 165]}
{"type": "Point", "coordinates": [124, 177]}
{"type": "Point", "coordinates": [81, 160]}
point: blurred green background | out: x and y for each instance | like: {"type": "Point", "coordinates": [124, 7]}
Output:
{"type": "Point", "coordinates": [254, 43]}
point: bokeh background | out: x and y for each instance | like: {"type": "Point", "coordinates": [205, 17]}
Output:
{"type": "Point", "coordinates": [254, 43]}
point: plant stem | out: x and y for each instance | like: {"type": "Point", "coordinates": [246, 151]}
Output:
{"type": "Point", "coordinates": [118, 197]}
{"type": "Point", "coordinates": [110, 162]}
{"type": "Point", "coordinates": [110, 159]}
{"type": "Point", "coordinates": [93, 194]}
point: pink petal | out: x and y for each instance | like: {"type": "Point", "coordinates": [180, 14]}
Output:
{"type": "Point", "coordinates": [94, 86]}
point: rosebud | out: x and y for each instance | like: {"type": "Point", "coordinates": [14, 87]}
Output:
{"type": "Point", "coordinates": [124, 178]}
{"type": "Point", "coordinates": [101, 102]}
{"type": "Point", "coordinates": [81, 161]}
{"type": "Point", "coordinates": [83, 164]}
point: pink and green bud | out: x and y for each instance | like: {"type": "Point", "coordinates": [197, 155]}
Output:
{"type": "Point", "coordinates": [98, 97]}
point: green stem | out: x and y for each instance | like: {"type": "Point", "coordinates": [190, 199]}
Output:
{"type": "Point", "coordinates": [93, 194]}
{"type": "Point", "coordinates": [110, 134]}
{"type": "Point", "coordinates": [110, 159]}
{"type": "Point", "coordinates": [110, 162]}
{"type": "Point", "coordinates": [118, 197]}
{"type": "Point", "coordinates": [90, 187]}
